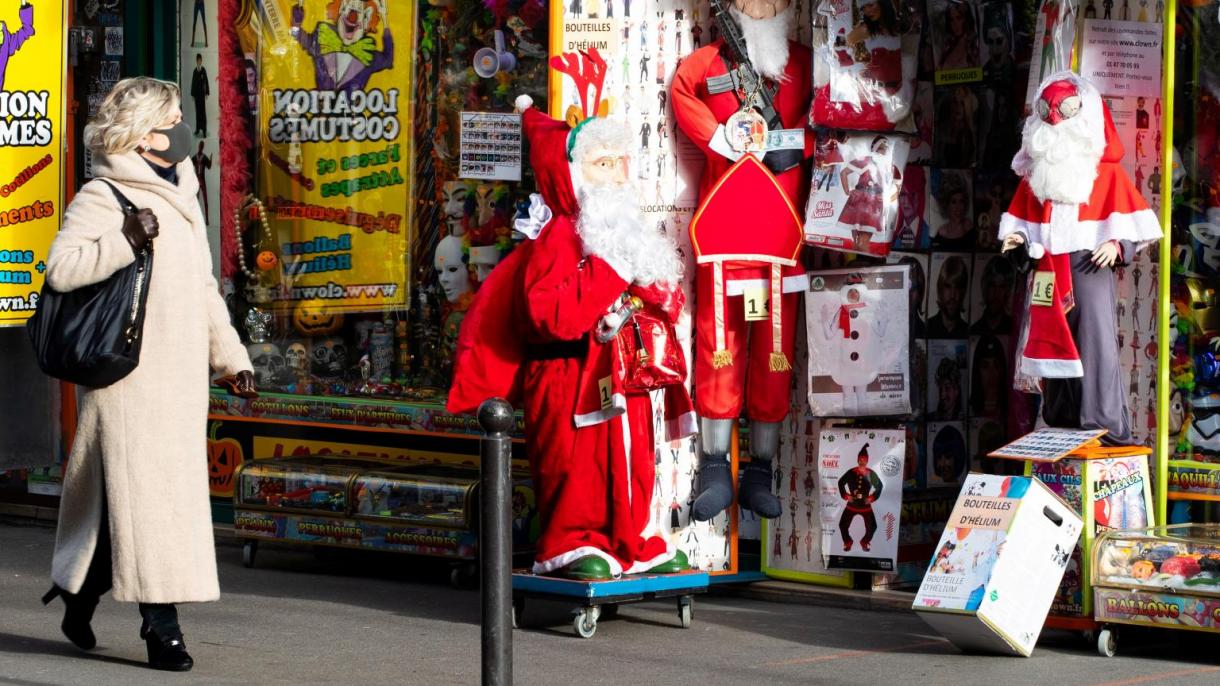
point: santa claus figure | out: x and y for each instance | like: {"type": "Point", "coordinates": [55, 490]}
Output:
{"type": "Point", "coordinates": [547, 331]}
{"type": "Point", "coordinates": [1078, 215]}
{"type": "Point", "coordinates": [728, 349]}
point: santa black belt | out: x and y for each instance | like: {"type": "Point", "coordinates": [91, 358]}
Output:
{"type": "Point", "coordinates": [557, 350]}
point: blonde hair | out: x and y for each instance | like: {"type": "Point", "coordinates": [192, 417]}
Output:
{"type": "Point", "coordinates": [130, 110]}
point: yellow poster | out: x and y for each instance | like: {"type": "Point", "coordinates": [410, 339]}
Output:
{"type": "Point", "coordinates": [334, 156]}
{"type": "Point", "coordinates": [31, 149]}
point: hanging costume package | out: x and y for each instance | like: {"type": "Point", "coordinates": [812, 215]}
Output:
{"type": "Point", "coordinates": [858, 323]}
{"type": "Point", "coordinates": [853, 202]}
{"type": "Point", "coordinates": [861, 497]}
{"type": "Point", "coordinates": [865, 70]}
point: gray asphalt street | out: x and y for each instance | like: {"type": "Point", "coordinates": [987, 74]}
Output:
{"type": "Point", "coordinates": [367, 619]}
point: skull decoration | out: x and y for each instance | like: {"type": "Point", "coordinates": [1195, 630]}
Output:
{"type": "Point", "coordinates": [258, 325]}
{"type": "Point", "coordinates": [297, 357]}
{"type": "Point", "coordinates": [270, 367]}
{"type": "Point", "coordinates": [329, 358]}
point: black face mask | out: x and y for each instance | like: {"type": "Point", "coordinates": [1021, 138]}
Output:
{"type": "Point", "coordinates": [179, 149]}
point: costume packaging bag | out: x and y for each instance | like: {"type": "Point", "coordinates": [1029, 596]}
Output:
{"type": "Point", "coordinates": [858, 324]}
{"type": "Point", "coordinates": [861, 473]}
{"type": "Point", "coordinates": [853, 204]}
{"type": "Point", "coordinates": [865, 70]}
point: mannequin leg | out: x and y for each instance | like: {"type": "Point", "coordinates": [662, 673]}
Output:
{"type": "Point", "coordinates": [715, 471]}
{"type": "Point", "coordinates": [754, 492]}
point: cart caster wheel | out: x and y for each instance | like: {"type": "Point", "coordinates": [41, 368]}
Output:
{"type": "Point", "coordinates": [585, 622]}
{"type": "Point", "coordinates": [685, 611]}
{"type": "Point", "coordinates": [248, 551]}
{"type": "Point", "coordinates": [518, 612]}
{"type": "Point", "coordinates": [1107, 642]}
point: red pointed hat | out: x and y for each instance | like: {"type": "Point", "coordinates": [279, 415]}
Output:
{"type": "Point", "coordinates": [548, 139]}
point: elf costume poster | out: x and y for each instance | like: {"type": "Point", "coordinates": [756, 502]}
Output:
{"type": "Point", "coordinates": [861, 494]}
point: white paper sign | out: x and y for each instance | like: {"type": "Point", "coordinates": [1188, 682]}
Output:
{"type": "Point", "coordinates": [491, 146]}
{"type": "Point", "coordinates": [861, 477]}
{"type": "Point", "coordinates": [1122, 57]}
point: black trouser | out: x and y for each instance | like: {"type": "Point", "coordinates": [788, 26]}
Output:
{"type": "Point", "coordinates": [849, 516]}
{"type": "Point", "coordinates": [162, 618]}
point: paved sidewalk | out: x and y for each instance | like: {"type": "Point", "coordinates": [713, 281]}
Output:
{"type": "Point", "coordinates": [369, 619]}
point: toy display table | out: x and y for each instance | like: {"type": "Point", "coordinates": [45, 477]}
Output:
{"type": "Point", "coordinates": [596, 598]}
{"type": "Point", "coordinates": [1111, 489]}
{"type": "Point", "coordinates": [372, 505]}
{"type": "Point", "coordinates": [1165, 576]}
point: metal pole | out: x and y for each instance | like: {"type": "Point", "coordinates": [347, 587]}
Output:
{"type": "Point", "coordinates": [495, 540]}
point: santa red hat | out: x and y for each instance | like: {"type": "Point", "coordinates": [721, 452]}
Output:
{"type": "Point", "coordinates": [548, 140]}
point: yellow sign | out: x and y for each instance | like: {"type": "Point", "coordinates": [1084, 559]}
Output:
{"type": "Point", "coordinates": [756, 302]}
{"type": "Point", "coordinates": [334, 114]}
{"type": "Point", "coordinates": [31, 149]}
{"type": "Point", "coordinates": [1043, 292]}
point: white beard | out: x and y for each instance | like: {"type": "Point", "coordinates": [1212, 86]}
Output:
{"type": "Point", "coordinates": [612, 227]}
{"type": "Point", "coordinates": [1060, 162]}
{"type": "Point", "coordinates": [767, 41]}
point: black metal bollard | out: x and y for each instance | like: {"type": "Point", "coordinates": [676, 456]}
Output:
{"type": "Point", "coordinates": [495, 540]}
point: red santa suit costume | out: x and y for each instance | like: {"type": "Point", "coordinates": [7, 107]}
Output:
{"type": "Point", "coordinates": [722, 387]}
{"type": "Point", "coordinates": [528, 338]}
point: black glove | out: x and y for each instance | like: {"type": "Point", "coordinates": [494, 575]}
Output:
{"type": "Point", "coordinates": [139, 228]}
{"type": "Point", "coordinates": [240, 384]}
{"type": "Point", "coordinates": [779, 161]}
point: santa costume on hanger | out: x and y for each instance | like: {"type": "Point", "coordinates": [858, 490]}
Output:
{"type": "Point", "coordinates": [541, 332]}
{"type": "Point", "coordinates": [728, 348]}
{"type": "Point", "coordinates": [1078, 215]}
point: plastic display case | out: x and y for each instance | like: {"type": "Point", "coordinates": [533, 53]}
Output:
{"type": "Point", "coordinates": [305, 484]}
{"type": "Point", "coordinates": [1165, 576]}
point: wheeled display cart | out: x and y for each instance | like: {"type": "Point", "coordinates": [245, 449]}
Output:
{"type": "Point", "coordinates": [595, 599]}
{"type": "Point", "coordinates": [1164, 576]}
{"type": "Point", "coordinates": [371, 505]}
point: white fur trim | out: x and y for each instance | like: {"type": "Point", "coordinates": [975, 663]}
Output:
{"type": "Point", "coordinates": [681, 427]}
{"type": "Point", "coordinates": [720, 144]}
{"type": "Point", "coordinates": [1141, 227]}
{"type": "Point", "coordinates": [792, 284]}
{"type": "Point", "coordinates": [523, 102]}
{"type": "Point", "coordinates": [564, 559]}
{"type": "Point", "coordinates": [618, 407]}
{"type": "Point", "coordinates": [641, 566]}
{"type": "Point", "coordinates": [1052, 369]}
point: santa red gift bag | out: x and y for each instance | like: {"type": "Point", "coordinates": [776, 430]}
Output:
{"type": "Point", "coordinates": [864, 73]}
{"type": "Point", "coordinates": [853, 205]}
{"type": "Point", "coordinates": [859, 328]}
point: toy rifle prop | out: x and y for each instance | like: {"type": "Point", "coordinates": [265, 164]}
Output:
{"type": "Point", "coordinates": [785, 147]}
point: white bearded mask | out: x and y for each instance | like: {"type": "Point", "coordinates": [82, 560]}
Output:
{"type": "Point", "coordinates": [1063, 140]}
{"type": "Point", "coordinates": [767, 40]}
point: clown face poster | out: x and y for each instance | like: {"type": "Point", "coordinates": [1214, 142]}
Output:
{"type": "Point", "coordinates": [853, 204]}
{"type": "Point", "coordinates": [334, 139]}
{"type": "Point", "coordinates": [861, 474]}
{"type": "Point", "coordinates": [31, 115]}
{"type": "Point", "coordinates": [858, 328]}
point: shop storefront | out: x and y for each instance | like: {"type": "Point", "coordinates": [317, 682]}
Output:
{"type": "Point", "coordinates": [362, 168]}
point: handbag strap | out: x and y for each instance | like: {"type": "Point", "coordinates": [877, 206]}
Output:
{"type": "Point", "coordinates": [127, 205]}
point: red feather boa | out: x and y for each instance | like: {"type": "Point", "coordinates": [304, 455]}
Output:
{"type": "Point", "coordinates": [235, 144]}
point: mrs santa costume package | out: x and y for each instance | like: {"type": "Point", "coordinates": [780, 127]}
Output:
{"type": "Point", "coordinates": [1077, 214]}
{"type": "Point", "coordinates": [539, 333]}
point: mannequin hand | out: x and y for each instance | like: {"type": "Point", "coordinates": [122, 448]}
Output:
{"type": "Point", "coordinates": [1106, 254]}
{"type": "Point", "coordinates": [1012, 241]}
{"type": "Point", "coordinates": [240, 384]}
{"type": "Point", "coordinates": [140, 228]}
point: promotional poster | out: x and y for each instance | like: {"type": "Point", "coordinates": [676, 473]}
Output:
{"type": "Point", "coordinates": [861, 474]}
{"type": "Point", "coordinates": [31, 151]}
{"type": "Point", "coordinates": [334, 138]}
{"type": "Point", "coordinates": [858, 325]}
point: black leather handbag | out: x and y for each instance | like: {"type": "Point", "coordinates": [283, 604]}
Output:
{"type": "Point", "coordinates": [91, 336]}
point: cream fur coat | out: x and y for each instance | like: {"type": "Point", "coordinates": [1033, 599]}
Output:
{"type": "Point", "coordinates": [144, 437]}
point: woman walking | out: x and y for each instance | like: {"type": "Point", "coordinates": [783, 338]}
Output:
{"type": "Point", "coordinates": [135, 515]}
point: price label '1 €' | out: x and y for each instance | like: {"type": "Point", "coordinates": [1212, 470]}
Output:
{"type": "Point", "coordinates": [1044, 289]}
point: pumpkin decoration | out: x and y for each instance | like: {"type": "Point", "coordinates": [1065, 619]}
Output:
{"type": "Point", "coordinates": [1143, 569]}
{"type": "Point", "coordinates": [313, 318]}
{"type": "Point", "coordinates": [224, 454]}
{"type": "Point", "coordinates": [266, 260]}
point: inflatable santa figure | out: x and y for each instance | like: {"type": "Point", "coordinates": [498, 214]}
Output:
{"type": "Point", "coordinates": [576, 328]}
{"type": "Point", "coordinates": [728, 348]}
{"type": "Point", "coordinates": [1078, 215]}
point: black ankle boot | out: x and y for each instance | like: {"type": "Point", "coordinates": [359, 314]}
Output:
{"type": "Point", "coordinates": [754, 493]}
{"type": "Point", "coordinates": [167, 653]}
{"type": "Point", "coordinates": [78, 613]}
{"type": "Point", "coordinates": [715, 488]}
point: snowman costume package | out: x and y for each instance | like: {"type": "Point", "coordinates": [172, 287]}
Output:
{"type": "Point", "coordinates": [858, 323]}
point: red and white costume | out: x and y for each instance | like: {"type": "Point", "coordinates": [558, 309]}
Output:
{"type": "Point", "coordinates": [528, 337]}
{"type": "Point", "coordinates": [722, 387]}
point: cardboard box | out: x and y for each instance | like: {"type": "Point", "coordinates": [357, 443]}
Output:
{"type": "Point", "coordinates": [998, 564]}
